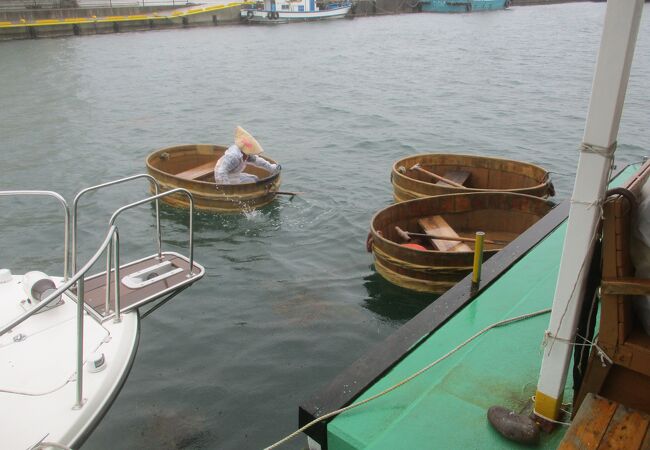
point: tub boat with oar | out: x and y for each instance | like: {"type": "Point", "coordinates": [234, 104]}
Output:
{"type": "Point", "coordinates": [425, 175]}
{"type": "Point", "coordinates": [427, 244]}
{"type": "Point", "coordinates": [67, 342]}
{"type": "Point", "coordinates": [551, 350]}
{"type": "Point", "coordinates": [191, 167]}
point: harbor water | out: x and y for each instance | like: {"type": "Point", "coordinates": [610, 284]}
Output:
{"type": "Point", "coordinates": [290, 297]}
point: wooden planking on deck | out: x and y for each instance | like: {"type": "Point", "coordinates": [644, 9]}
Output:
{"type": "Point", "coordinates": [95, 293]}
{"type": "Point", "coordinates": [197, 172]}
{"type": "Point", "coordinates": [604, 424]}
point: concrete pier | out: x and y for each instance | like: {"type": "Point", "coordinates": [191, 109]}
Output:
{"type": "Point", "coordinates": [31, 24]}
{"type": "Point", "coordinates": [57, 22]}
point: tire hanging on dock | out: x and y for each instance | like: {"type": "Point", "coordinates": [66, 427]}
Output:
{"type": "Point", "coordinates": [249, 14]}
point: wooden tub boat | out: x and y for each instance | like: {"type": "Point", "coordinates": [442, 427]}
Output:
{"type": "Point", "coordinates": [466, 173]}
{"type": "Point", "coordinates": [191, 167]}
{"type": "Point", "coordinates": [434, 265]}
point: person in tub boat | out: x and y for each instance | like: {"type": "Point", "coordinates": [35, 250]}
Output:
{"type": "Point", "coordinates": [230, 167]}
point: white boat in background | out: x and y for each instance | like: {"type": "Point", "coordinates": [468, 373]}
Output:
{"type": "Point", "coordinates": [67, 343]}
{"type": "Point", "coordinates": [282, 11]}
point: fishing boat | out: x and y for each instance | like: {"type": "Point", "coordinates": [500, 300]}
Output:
{"type": "Point", "coordinates": [489, 368]}
{"type": "Point", "coordinates": [68, 341]}
{"type": "Point", "coordinates": [425, 175]}
{"type": "Point", "coordinates": [463, 6]}
{"type": "Point", "coordinates": [191, 167]}
{"type": "Point", "coordinates": [427, 244]}
{"type": "Point", "coordinates": [282, 11]}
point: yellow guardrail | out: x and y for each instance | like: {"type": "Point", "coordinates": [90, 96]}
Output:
{"type": "Point", "coordinates": [94, 19]}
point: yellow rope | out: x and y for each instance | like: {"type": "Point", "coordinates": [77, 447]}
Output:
{"type": "Point", "coordinates": [415, 284]}
{"type": "Point", "coordinates": [415, 267]}
{"type": "Point", "coordinates": [401, 198]}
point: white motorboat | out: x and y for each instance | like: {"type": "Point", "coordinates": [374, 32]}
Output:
{"type": "Point", "coordinates": [67, 343]}
{"type": "Point", "coordinates": [282, 11]}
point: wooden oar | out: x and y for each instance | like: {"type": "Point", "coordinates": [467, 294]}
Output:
{"type": "Point", "coordinates": [407, 235]}
{"type": "Point", "coordinates": [290, 194]}
{"type": "Point", "coordinates": [436, 176]}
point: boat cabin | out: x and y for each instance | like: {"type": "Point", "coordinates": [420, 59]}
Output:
{"type": "Point", "coordinates": [296, 5]}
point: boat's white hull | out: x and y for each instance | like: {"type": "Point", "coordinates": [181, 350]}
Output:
{"type": "Point", "coordinates": [38, 371]}
{"type": "Point", "coordinates": [265, 16]}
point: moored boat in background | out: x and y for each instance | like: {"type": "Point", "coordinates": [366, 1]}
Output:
{"type": "Point", "coordinates": [282, 11]}
{"type": "Point", "coordinates": [430, 174]}
{"type": "Point", "coordinates": [463, 6]}
{"type": "Point", "coordinates": [436, 263]}
{"type": "Point", "coordinates": [191, 167]}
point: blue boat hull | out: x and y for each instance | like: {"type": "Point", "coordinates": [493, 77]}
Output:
{"type": "Point", "coordinates": [461, 6]}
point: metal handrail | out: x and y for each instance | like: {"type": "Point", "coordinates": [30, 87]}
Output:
{"type": "Point", "coordinates": [75, 203]}
{"type": "Point", "coordinates": [78, 277]}
{"type": "Point", "coordinates": [60, 290]}
{"type": "Point", "coordinates": [111, 224]}
{"type": "Point", "coordinates": [110, 245]}
{"type": "Point", "coordinates": [66, 231]}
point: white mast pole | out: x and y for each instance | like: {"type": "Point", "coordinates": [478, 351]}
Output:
{"type": "Point", "coordinates": [596, 156]}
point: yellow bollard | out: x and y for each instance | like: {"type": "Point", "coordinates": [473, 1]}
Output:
{"type": "Point", "coordinates": [478, 259]}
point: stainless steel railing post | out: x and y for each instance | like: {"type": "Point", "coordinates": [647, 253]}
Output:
{"type": "Point", "coordinates": [189, 275]}
{"type": "Point", "coordinates": [80, 342]}
{"type": "Point", "coordinates": [116, 250]}
{"type": "Point", "coordinates": [109, 263]}
{"type": "Point", "coordinates": [159, 233]}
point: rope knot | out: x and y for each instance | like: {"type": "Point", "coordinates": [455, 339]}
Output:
{"type": "Point", "coordinates": [605, 152]}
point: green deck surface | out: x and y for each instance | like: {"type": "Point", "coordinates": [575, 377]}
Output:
{"type": "Point", "coordinates": [446, 407]}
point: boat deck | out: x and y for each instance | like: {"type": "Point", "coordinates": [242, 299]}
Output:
{"type": "Point", "coordinates": [38, 365]}
{"type": "Point", "coordinates": [500, 367]}
{"type": "Point", "coordinates": [141, 282]}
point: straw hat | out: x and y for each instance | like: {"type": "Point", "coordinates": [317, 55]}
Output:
{"type": "Point", "coordinates": [246, 142]}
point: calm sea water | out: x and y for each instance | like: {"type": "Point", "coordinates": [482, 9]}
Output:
{"type": "Point", "coordinates": [290, 297]}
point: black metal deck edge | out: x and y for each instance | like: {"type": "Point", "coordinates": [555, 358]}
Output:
{"type": "Point", "coordinates": [352, 382]}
